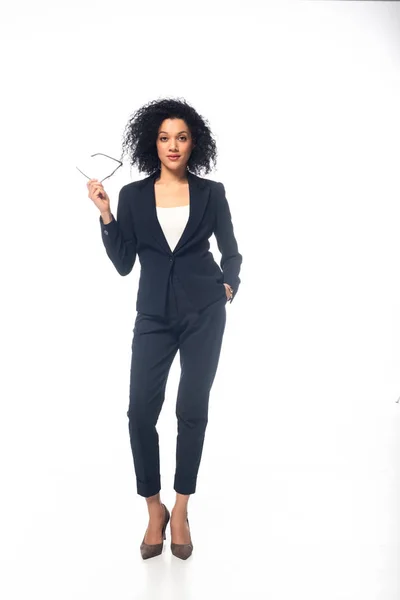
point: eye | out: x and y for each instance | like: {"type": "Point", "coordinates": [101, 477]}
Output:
{"type": "Point", "coordinates": [181, 137]}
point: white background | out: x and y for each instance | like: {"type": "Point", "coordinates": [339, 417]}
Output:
{"type": "Point", "coordinates": [298, 487]}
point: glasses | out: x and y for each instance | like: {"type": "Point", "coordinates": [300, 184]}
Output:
{"type": "Point", "coordinates": [106, 155]}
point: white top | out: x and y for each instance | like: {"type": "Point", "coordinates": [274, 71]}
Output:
{"type": "Point", "coordinates": [173, 221]}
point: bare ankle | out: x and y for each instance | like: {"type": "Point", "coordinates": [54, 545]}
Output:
{"type": "Point", "coordinates": [179, 511]}
{"type": "Point", "coordinates": [154, 505]}
{"type": "Point", "coordinates": [181, 505]}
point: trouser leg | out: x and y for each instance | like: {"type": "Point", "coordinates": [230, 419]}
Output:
{"type": "Point", "coordinates": [154, 347]}
{"type": "Point", "coordinates": [200, 344]}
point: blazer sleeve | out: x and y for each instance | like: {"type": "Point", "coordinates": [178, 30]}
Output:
{"type": "Point", "coordinates": [231, 259]}
{"type": "Point", "coordinates": [119, 237]}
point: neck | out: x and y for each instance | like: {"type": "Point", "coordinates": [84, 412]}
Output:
{"type": "Point", "coordinates": [170, 177]}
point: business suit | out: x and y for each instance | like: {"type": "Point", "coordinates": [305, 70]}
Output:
{"type": "Point", "coordinates": [181, 305]}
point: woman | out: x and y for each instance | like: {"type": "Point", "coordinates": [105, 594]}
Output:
{"type": "Point", "coordinates": [167, 219]}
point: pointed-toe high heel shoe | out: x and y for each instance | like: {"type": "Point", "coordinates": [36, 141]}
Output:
{"type": "Point", "coordinates": [150, 550]}
{"type": "Point", "coordinates": [182, 551]}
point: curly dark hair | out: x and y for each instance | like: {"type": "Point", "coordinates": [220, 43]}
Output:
{"type": "Point", "coordinates": [140, 135]}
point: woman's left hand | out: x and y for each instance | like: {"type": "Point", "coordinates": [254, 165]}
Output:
{"type": "Point", "coordinates": [228, 291]}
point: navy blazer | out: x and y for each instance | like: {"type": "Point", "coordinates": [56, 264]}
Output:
{"type": "Point", "coordinates": [137, 232]}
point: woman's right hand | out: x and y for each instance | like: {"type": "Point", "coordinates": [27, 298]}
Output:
{"type": "Point", "coordinates": [98, 195]}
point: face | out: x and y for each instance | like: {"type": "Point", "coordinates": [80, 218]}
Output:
{"type": "Point", "coordinates": [174, 137]}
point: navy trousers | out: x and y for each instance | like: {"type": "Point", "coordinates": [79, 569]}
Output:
{"type": "Point", "coordinates": [198, 337]}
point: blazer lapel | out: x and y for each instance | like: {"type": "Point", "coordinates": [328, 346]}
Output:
{"type": "Point", "coordinates": [199, 192]}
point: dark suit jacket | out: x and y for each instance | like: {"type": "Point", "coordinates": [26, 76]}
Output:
{"type": "Point", "coordinates": [137, 232]}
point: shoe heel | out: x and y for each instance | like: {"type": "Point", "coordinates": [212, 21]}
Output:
{"type": "Point", "coordinates": [167, 518]}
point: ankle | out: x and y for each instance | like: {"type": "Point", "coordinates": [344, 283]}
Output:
{"type": "Point", "coordinates": [155, 509]}
{"type": "Point", "coordinates": [179, 512]}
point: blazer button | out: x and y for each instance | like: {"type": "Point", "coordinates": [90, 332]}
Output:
{"type": "Point", "coordinates": [171, 260]}
{"type": "Point", "coordinates": [105, 231]}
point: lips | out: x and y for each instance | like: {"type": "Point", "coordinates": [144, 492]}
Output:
{"type": "Point", "coordinates": [174, 157]}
